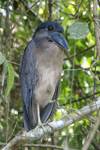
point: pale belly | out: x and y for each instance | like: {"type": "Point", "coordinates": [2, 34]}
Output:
{"type": "Point", "coordinates": [45, 86]}
{"type": "Point", "coordinates": [49, 68]}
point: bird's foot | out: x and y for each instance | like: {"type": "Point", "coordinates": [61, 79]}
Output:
{"type": "Point", "coordinates": [40, 126]}
{"type": "Point", "coordinates": [49, 125]}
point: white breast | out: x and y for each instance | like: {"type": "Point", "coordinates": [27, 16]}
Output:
{"type": "Point", "coordinates": [49, 70]}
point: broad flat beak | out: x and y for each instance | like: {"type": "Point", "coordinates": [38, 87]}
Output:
{"type": "Point", "coordinates": [59, 39]}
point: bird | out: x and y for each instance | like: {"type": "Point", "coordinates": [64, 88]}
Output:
{"type": "Point", "coordinates": [40, 73]}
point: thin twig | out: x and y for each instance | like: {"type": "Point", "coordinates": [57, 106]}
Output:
{"type": "Point", "coordinates": [89, 48]}
{"type": "Point", "coordinates": [43, 146]}
{"type": "Point", "coordinates": [7, 26]}
{"type": "Point", "coordinates": [72, 76]}
{"type": "Point", "coordinates": [57, 11]}
{"type": "Point", "coordinates": [50, 10]}
{"type": "Point", "coordinates": [46, 10]}
{"type": "Point", "coordinates": [95, 75]}
{"type": "Point", "coordinates": [94, 141]}
{"type": "Point", "coordinates": [10, 134]}
{"type": "Point", "coordinates": [6, 40]}
{"type": "Point", "coordinates": [24, 14]}
{"type": "Point", "coordinates": [13, 62]}
{"type": "Point", "coordinates": [39, 7]}
{"type": "Point", "coordinates": [13, 130]}
{"type": "Point", "coordinates": [10, 36]}
{"type": "Point", "coordinates": [85, 69]}
{"type": "Point", "coordinates": [7, 107]}
{"type": "Point", "coordinates": [80, 99]}
{"type": "Point", "coordinates": [87, 144]}
{"type": "Point", "coordinates": [92, 72]}
{"type": "Point", "coordinates": [96, 27]}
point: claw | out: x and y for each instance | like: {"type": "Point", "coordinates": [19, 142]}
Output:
{"type": "Point", "coordinates": [40, 126]}
{"type": "Point", "coordinates": [49, 125]}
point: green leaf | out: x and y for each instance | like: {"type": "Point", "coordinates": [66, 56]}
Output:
{"type": "Point", "coordinates": [4, 67]}
{"type": "Point", "coordinates": [10, 78]}
{"type": "Point", "coordinates": [2, 58]}
{"type": "Point", "coordinates": [78, 30]}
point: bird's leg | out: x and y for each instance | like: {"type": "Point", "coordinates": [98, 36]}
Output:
{"type": "Point", "coordinates": [39, 121]}
{"type": "Point", "coordinates": [38, 114]}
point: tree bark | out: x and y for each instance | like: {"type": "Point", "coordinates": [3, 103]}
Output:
{"type": "Point", "coordinates": [50, 10]}
{"type": "Point", "coordinates": [96, 26]}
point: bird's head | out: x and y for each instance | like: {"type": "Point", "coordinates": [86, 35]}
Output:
{"type": "Point", "coordinates": [52, 30]}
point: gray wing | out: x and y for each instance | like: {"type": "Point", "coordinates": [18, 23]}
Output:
{"type": "Point", "coordinates": [47, 111]}
{"type": "Point", "coordinates": [27, 76]}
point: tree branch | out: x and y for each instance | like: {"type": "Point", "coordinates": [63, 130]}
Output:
{"type": "Point", "coordinates": [42, 146]}
{"type": "Point", "coordinates": [37, 133]}
{"type": "Point", "coordinates": [96, 26]}
{"type": "Point", "coordinates": [29, 9]}
{"type": "Point", "coordinates": [32, 11]}
{"type": "Point", "coordinates": [50, 10]}
{"type": "Point", "coordinates": [91, 136]}
{"type": "Point", "coordinates": [6, 48]}
{"type": "Point", "coordinates": [80, 99]}
{"type": "Point", "coordinates": [94, 141]}
{"type": "Point", "coordinates": [89, 48]}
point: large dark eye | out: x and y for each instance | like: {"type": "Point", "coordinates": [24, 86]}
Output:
{"type": "Point", "coordinates": [50, 28]}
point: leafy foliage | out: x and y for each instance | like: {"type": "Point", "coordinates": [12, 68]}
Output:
{"type": "Point", "coordinates": [4, 67]}
{"type": "Point", "coordinates": [2, 58]}
{"type": "Point", "coordinates": [10, 78]}
{"type": "Point", "coordinates": [78, 30]}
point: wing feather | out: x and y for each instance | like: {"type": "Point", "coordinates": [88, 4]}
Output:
{"type": "Point", "coordinates": [27, 76]}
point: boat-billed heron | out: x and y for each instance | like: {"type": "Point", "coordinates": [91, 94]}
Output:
{"type": "Point", "coordinates": [40, 73]}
